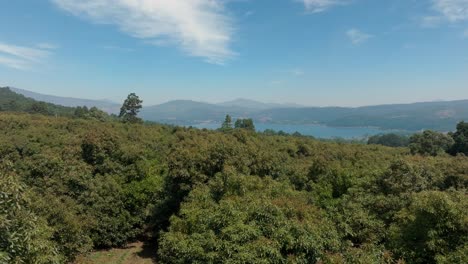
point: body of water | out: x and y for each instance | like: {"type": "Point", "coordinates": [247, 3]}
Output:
{"type": "Point", "coordinates": [318, 131]}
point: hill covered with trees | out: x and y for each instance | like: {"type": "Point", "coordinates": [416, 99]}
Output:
{"type": "Point", "coordinates": [71, 185]}
{"type": "Point", "coordinates": [10, 101]}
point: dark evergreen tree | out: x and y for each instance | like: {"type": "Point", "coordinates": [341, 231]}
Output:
{"type": "Point", "coordinates": [227, 124]}
{"type": "Point", "coordinates": [130, 109]}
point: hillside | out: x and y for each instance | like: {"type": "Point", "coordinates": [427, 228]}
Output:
{"type": "Point", "coordinates": [107, 106]}
{"type": "Point", "coordinates": [11, 101]}
{"type": "Point", "coordinates": [14, 102]}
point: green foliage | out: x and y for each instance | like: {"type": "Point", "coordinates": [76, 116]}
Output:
{"type": "Point", "coordinates": [24, 238]}
{"type": "Point", "coordinates": [432, 227]}
{"type": "Point", "coordinates": [430, 143]}
{"type": "Point", "coordinates": [245, 219]}
{"type": "Point", "coordinates": [105, 202]}
{"type": "Point", "coordinates": [130, 108]}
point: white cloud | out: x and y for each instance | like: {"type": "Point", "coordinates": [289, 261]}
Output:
{"type": "Point", "coordinates": [201, 28]}
{"type": "Point", "coordinates": [19, 57]}
{"type": "Point", "coordinates": [317, 6]}
{"type": "Point", "coordinates": [452, 10]}
{"type": "Point", "coordinates": [357, 37]}
{"type": "Point", "coordinates": [465, 34]}
{"type": "Point", "coordinates": [30, 54]}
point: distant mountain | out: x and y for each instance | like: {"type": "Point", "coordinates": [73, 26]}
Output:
{"type": "Point", "coordinates": [105, 105]}
{"type": "Point", "coordinates": [442, 116]}
{"type": "Point", "coordinates": [438, 115]}
{"type": "Point", "coordinates": [252, 104]}
{"type": "Point", "coordinates": [189, 112]}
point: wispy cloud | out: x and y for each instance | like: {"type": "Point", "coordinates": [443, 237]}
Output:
{"type": "Point", "coordinates": [317, 6]}
{"type": "Point", "coordinates": [13, 63]}
{"type": "Point", "coordinates": [30, 54]}
{"type": "Point", "coordinates": [20, 57]}
{"type": "Point", "coordinates": [357, 37]}
{"type": "Point", "coordinates": [201, 28]}
{"type": "Point", "coordinates": [446, 11]}
{"type": "Point", "coordinates": [465, 33]}
{"type": "Point", "coordinates": [452, 10]}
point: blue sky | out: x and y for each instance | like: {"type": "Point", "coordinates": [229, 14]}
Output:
{"type": "Point", "coordinates": [312, 52]}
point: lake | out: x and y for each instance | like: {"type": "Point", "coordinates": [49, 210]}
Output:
{"type": "Point", "coordinates": [318, 131]}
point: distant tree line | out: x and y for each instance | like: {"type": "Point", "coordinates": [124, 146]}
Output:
{"type": "Point", "coordinates": [240, 123]}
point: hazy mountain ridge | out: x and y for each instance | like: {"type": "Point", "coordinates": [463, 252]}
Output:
{"type": "Point", "coordinates": [105, 105]}
{"type": "Point", "coordinates": [252, 104]}
{"type": "Point", "coordinates": [438, 115]}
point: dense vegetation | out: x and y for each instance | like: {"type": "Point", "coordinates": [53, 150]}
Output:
{"type": "Point", "coordinates": [70, 185]}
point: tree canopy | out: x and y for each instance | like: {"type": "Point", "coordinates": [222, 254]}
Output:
{"type": "Point", "coordinates": [72, 185]}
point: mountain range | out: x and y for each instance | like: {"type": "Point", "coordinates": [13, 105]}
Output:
{"type": "Point", "coordinates": [441, 115]}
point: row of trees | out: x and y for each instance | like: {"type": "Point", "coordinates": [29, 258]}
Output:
{"type": "Point", "coordinates": [240, 123]}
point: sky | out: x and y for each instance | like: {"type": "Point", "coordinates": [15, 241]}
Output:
{"type": "Point", "coordinates": [310, 52]}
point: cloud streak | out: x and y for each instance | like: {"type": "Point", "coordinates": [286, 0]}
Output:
{"type": "Point", "coordinates": [317, 6]}
{"type": "Point", "coordinates": [19, 57]}
{"type": "Point", "coordinates": [201, 28]}
{"type": "Point", "coordinates": [357, 37]}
